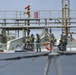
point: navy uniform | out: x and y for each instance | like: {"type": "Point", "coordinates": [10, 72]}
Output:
{"type": "Point", "coordinates": [63, 43]}
{"type": "Point", "coordinates": [38, 41]}
{"type": "Point", "coordinates": [32, 41]}
{"type": "Point", "coordinates": [29, 43]}
{"type": "Point", "coordinates": [53, 40]}
{"type": "Point", "coordinates": [60, 44]}
{"type": "Point", "coordinates": [24, 47]}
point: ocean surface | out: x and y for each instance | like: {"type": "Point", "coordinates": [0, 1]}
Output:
{"type": "Point", "coordinates": [36, 66]}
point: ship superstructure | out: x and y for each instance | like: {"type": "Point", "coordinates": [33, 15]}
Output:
{"type": "Point", "coordinates": [16, 27]}
{"type": "Point", "coordinates": [21, 23]}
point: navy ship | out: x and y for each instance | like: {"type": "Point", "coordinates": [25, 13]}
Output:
{"type": "Point", "coordinates": [17, 26]}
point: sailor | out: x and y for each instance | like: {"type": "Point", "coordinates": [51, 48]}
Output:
{"type": "Point", "coordinates": [32, 41]}
{"type": "Point", "coordinates": [63, 43]}
{"type": "Point", "coordinates": [28, 43]}
{"type": "Point", "coordinates": [52, 39]}
{"type": "Point", "coordinates": [38, 41]}
{"type": "Point", "coordinates": [24, 47]}
{"type": "Point", "coordinates": [60, 44]}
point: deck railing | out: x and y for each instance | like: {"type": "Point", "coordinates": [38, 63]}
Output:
{"type": "Point", "coordinates": [40, 14]}
{"type": "Point", "coordinates": [19, 46]}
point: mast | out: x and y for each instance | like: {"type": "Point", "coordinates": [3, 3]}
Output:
{"type": "Point", "coordinates": [65, 16]}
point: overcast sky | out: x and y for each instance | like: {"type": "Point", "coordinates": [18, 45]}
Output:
{"type": "Point", "coordinates": [36, 4]}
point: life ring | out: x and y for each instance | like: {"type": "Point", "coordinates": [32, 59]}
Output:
{"type": "Point", "coordinates": [46, 45]}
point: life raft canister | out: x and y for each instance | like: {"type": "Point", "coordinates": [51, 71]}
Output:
{"type": "Point", "coordinates": [18, 46]}
{"type": "Point", "coordinates": [49, 43]}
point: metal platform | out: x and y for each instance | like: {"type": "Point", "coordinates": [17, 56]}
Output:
{"type": "Point", "coordinates": [67, 52]}
{"type": "Point", "coordinates": [11, 20]}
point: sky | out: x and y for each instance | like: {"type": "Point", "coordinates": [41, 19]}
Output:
{"type": "Point", "coordinates": [19, 5]}
{"type": "Point", "coordinates": [36, 4]}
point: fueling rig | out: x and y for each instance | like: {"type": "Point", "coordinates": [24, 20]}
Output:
{"type": "Point", "coordinates": [17, 21]}
{"type": "Point", "coordinates": [21, 22]}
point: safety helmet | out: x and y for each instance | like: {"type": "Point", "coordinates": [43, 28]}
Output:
{"type": "Point", "coordinates": [37, 34]}
{"type": "Point", "coordinates": [28, 40]}
{"type": "Point", "coordinates": [31, 34]}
